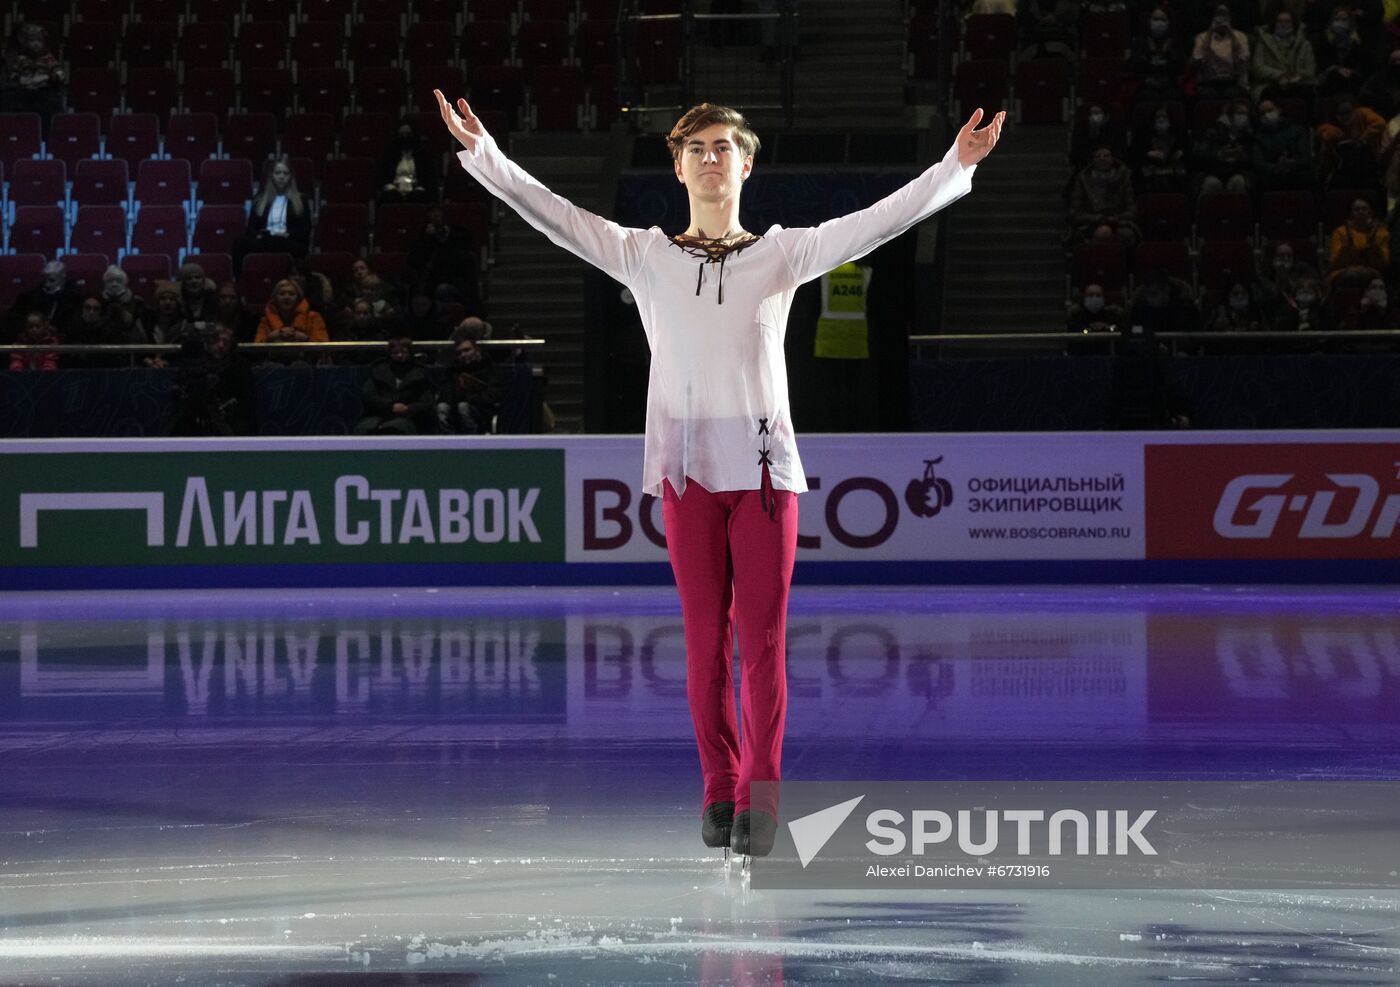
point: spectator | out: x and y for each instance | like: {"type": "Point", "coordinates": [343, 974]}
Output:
{"type": "Point", "coordinates": [1159, 154]}
{"type": "Point", "coordinates": [375, 290]}
{"type": "Point", "coordinates": [471, 399]}
{"type": "Point", "coordinates": [1381, 92]}
{"type": "Point", "coordinates": [197, 295]}
{"type": "Point", "coordinates": [1304, 309]}
{"type": "Point", "coordinates": [1282, 270]}
{"type": "Point", "coordinates": [54, 296]}
{"type": "Point", "coordinates": [398, 395]}
{"type": "Point", "coordinates": [1157, 58]}
{"type": "Point", "coordinates": [1235, 312]}
{"type": "Point", "coordinates": [1359, 249]}
{"type": "Point", "coordinates": [363, 325]}
{"type": "Point", "coordinates": [445, 261]}
{"type": "Point", "coordinates": [279, 221]}
{"type": "Point", "coordinates": [124, 308]}
{"type": "Point", "coordinates": [1096, 127]}
{"type": "Point", "coordinates": [408, 170]}
{"type": "Point", "coordinates": [166, 323]}
{"type": "Point", "coordinates": [288, 317]}
{"type": "Point", "coordinates": [231, 313]}
{"type": "Point", "coordinates": [1281, 151]}
{"type": "Point", "coordinates": [1220, 58]}
{"type": "Point", "coordinates": [1283, 63]}
{"type": "Point", "coordinates": [1373, 311]}
{"type": "Point", "coordinates": [422, 319]}
{"type": "Point", "coordinates": [93, 325]}
{"type": "Point", "coordinates": [1102, 202]}
{"type": "Point", "coordinates": [1349, 148]}
{"type": "Point", "coordinates": [33, 78]}
{"type": "Point", "coordinates": [1224, 152]}
{"type": "Point", "coordinates": [1093, 313]}
{"type": "Point", "coordinates": [1390, 168]}
{"type": "Point", "coordinates": [1344, 61]}
{"type": "Point", "coordinates": [1164, 304]}
{"type": "Point", "coordinates": [214, 387]}
{"type": "Point", "coordinates": [36, 331]}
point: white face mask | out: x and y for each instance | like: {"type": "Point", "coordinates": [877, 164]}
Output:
{"type": "Point", "coordinates": [1283, 264]}
{"type": "Point", "coordinates": [1238, 303]}
{"type": "Point", "coordinates": [1094, 303]}
{"type": "Point", "coordinates": [1306, 298]}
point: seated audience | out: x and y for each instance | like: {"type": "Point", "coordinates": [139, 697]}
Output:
{"type": "Point", "coordinates": [471, 399]}
{"type": "Point", "coordinates": [1102, 203]}
{"type": "Point", "coordinates": [1224, 152]}
{"type": "Point", "coordinates": [32, 77]}
{"type": "Point", "coordinates": [1283, 63]}
{"type": "Point", "coordinates": [408, 169]}
{"type": "Point", "coordinates": [398, 395]}
{"type": "Point", "coordinates": [1281, 152]}
{"type": "Point", "coordinates": [1359, 249]}
{"type": "Point", "coordinates": [36, 331]}
{"type": "Point", "coordinates": [279, 221]}
{"type": "Point", "coordinates": [288, 317]}
{"type": "Point", "coordinates": [1220, 58]}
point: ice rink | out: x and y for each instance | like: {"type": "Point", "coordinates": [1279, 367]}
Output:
{"type": "Point", "coordinates": [392, 787]}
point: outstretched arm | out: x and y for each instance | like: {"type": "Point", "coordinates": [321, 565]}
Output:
{"type": "Point", "coordinates": [812, 251]}
{"type": "Point", "coordinates": [617, 250]}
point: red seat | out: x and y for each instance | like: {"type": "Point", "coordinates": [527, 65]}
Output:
{"type": "Point", "coordinates": [38, 230]}
{"type": "Point", "coordinates": [984, 83]}
{"type": "Point", "coordinates": [19, 138]}
{"type": "Point", "coordinates": [1104, 34]}
{"type": "Point", "coordinates": [499, 89]}
{"type": "Point", "coordinates": [595, 43]}
{"type": "Point", "coordinates": [342, 228]}
{"type": "Point", "coordinates": [922, 46]}
{"type": "Point", "coordinates": [1172, 258]}
{"type": "Point", "coordinates": [335, 266]}
{"type": "Point", "coordinates": [391, 265]}
{"type": "Point", "coordinates": [556, 97]}
{"type": "Point", "coordinates": [217, 267]}
{"type": "Point", "coordinates": [472, 217]}
{"type": "Point", "coordinates": [366, 135]}
{"type": "Point", "coordinates": [426, 78]}
{"type": "Point", "coordinates": [1042, 90]}
{"type": "Point", "coordinates": [143, 271]}
{"type": "Point", "coordinates": [381, 89]}
{"type": "Point", "coordinates": [106, 11]}
{"type": "Point", "coordinates": [260, 273]}
{"type": "Point", "coordinates": [1163, 216]}
{"type": "Point", "coordinates": [271, 11]}
{"type": "Point", "coordinates": [205, 45]}
{"type": "Point", "coordinates": [38, 182]}
{"type": "Point", "coordinates": [603, 104]}
{"type": "Point", "coordinates": [1100, 263]}
{"type": "Point", "coordinates": [430, 43]}
{"type": "Point", "coordinates": [1223, 262]}
{"type": "Point", "coordinates": [261, 44]}
{"type": "Point", "coordinates": [161, 182]}
{"type": "Point", "coordinates": [267, 90]}
{"type": "Point", "coordinates": [85, 270]}
{"type": "Point", "coordinates": [149, 43]}
{"type": "Point", "coordinates": [160, 230]}
{"type": "Point", "coordinates": [542, 42]}
{"type": "Point", "coordinates": [374, 44]}
{"type": "Point", "coordinates": [309, 135]}
{"type": "Point", "coordinates": [989, 36]}
{"type": "Point", "coordinates": [101, 182]}
{"type": "Point", "coordinates": [251, 135]}
{"type": "Point", "coordinates": [152, 90]}
{"type": "Point", "coordinates": [1224, 216]}
{"type": "Point", "coordinates": [324, 90]}
{"type": "Point", "coordinates": [318, 44]}
{"type": "Point", "coordinates": [551, 10]}
{"type": "Point", "coordinates": [89, 44]}
{"type": "Point", "coordinates": [210, 90]}
{"type": "Point", "coordinates": [192, 137]}
{"type": "Point", "coordinates": [225, 182]}
{"type": "Point", "coordinates": [659, 50]}
{"type": "Point", "coordinates": [340, 11]}
{"type": "Point", "coordinates": [161, 11]}
{"type": "Point", "coordinates": [1288, 215]}
{"type": "Point", "coordinates": [19, 274]}
{"type": "Point", "coordinates": [397, 225]}
{"type": "Point", "coordinates": [133, 137]}
{"type": "Point", "coordinates": [216, 227]}
{"type": "Point", "coordinates": [100, 230]}
{"type": "Point", "coordinates": [74, 136]}
{"type": "Point", "coordinates": [348, 180]}
{"type": "Point", "coordinates": [486, 42]}
{"type": "Point", "coordinates": [1206, 114]}
{"type": "Point", "coordinates": [95, 91]}
{"type": "Point", "coordinates": [497, 10]}
{"type": "Point", "coordinates": [1100, 81]}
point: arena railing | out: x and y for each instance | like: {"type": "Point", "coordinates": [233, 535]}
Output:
{"type": "Point", "coordinates": [1173, 340]}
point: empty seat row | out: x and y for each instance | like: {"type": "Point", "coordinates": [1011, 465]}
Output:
{"type": "Point", "coordinates": [1213, 267]}
{"type": "Point", "coordinates": [1282, 215]}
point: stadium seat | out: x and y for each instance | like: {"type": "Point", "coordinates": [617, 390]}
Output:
{"type": "Point", "coordinates": [38, 230]}
{"type": "Point", "coordinates": [1042, 90]}
{"type": "Point", "coordinates": [595, 43]}
{"type": "Point", "coordinates": [37, 182]}
{"type": "Point", "coordinates": [430, 43]}
{"type": "Point", "coordinates": [324, 90]}
{"type": "Point", "coordinates": [101, 182]}
{"type": "Point", "coordinates": [1100, 81]}
{"type": "Point", "coordinates": [19, 138]}
{"type": "Point", "coordinates": [85, 270]}
{"type": "Point", "coordinates": [19, 273]}
{"type": "Point", "coordinates": [210, 90]}
{"type": "Point", "coordinates": [373, 44]}
{"type": "Point", "coordinates": [143, 271]}
{"type": "Point", "coordinates": [260, 44]}
{"type": "Point", "coordinates": [251, 135]}
{"type": "Point", "coordinates": [1222, 262]}
{"type": "Point", "coordinates": [342, 228]}
{"type": "Point", "coordinates": [89, 45]}
{"type": "Point", "coordinates": [1172, 258]}
{"type": "Point", "coordinates": [1163, 216]}
{"type": "Point", "coordinates": [541, 42]}
{"type": "Point", "coordinates": [659, 50]}
{"type": "Point", "coordinates": [348, 180]}
{"type": "Point", "coordinates": [318, 44]}
{"type": "Point", "coordinates": [149, 43]}
{"type": "Point", "coordinates": [152, 90]}
{"type": "Point", "coordinates": [988, 36]}
{"type": "Point", "coordinates": [488, 43]}
{"type": "Point", "coordinates": [100, 230]}
{"type": "Point", "coordinates": [1224, 216]}
{"type": "Point", "coordinates": [192, 137]}
{"type": "Point", "coordinates": [381, 89]}
{"type": "Point", "coordinates": [205, 45]}
{"type": "Point", "coordinates": [1099, 263]}
{"type": "Point", "coordinates": [260, 273]}
{"type": "Point", "coordinates": [556, 97]}
{"type": "Point", "coordinates": [267, 89]}
{"type": "Point", "coordinates": [160, 230]}
{"type": "Point", "coordinates": [74, 136]}
{"type": "Point", "coordinates": [217, 267]}
{"type": "Point", "coordinates": [216, 227]}
{"type": "Point", "coordinates": [499, 89]}
{"type": "Point", "coordinates": [984, 82]}
{"type": "Point", "coordinates": [1104, 34]}
{"type": "Point", "coordinates": [335, 266]}
{"type": "Point", "coordinates": [309, 135]}
{"type": "Point", "coordinates": [163, 182]}
{"type": "Point", "coordinates": [225, 182]}
{"type": "Point", "coordinates": [366, 135]}
{"type": "Point", "coordinates": [133, 137]}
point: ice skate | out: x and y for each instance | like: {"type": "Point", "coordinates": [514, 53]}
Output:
{"type": "Point", "coordinates": [752, 836]}
{"type": "Point", "coordinates": [716, 824]}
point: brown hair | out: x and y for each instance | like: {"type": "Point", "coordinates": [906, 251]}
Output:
{"type": "Point", "coordinates": [699, 117]}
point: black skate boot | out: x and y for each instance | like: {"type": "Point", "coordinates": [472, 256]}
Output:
{"type": "Point", "coordinates": [716, 823]}
{"type": "Point", "coordinates": [754, 832]}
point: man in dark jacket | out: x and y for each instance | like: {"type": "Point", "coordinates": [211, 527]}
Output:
{"type": "Point", "coordinates": [1282, 150]}
{"type": "Point", "coordinates": [398, 394]}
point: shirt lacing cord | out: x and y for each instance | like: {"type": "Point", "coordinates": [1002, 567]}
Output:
{"type": "Point", "coordinates": [766, 499]}
{"type": "Point", "coordinates": [700, 273]}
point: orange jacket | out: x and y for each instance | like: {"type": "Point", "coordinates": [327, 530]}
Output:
{"type": "Point", "coordinates": [304, 320]}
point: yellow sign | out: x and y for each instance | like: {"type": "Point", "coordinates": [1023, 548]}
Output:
{"type": "Point", "coordinates": [842, 330]}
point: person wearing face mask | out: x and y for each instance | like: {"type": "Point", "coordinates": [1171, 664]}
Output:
{"type": "Point", "coordinates": [1098, 125]}
{"type": "Point", "coordinates": [408, 170]}
{"type": "Point", "coordinates": [1157, 57]}
{"type": "Point", "coordinates": [1094, 314]}
{"type": "Point", "coordinates": [1349, 147]}
{"type": "Point", "coordinates": [1103, 199]}
{"type": "Point", "coordinates": [398, 395]}
{"type": "Point", "coordinates": [1283, 62]}
{"type": "Point", "coordinates": [32, 78]}
{"type": "Point", "coordinates": [1344, 60]}
{"type": "Point", "coordinates": [1235, 312]}
{"type": "Point", "coordinates": [1282, 269]}
{"type": "Point", "coordinates": [1220, 58]}
{"type": "Point", "coordinates": [279, 221]}
{"type": "Point", "coordinates": [54, 296]}
{"type": "Point", "coordinates": [1281, 151]}
{"type": "Point", "coordinates": [1303, 309]}
{"type": "Point", "coordinates": [1159, 154]}
{"type": "Point", "coordinates": [1372, 311]}
{"type": "Point", "coordinates": [1223, 155]}
{"type": "Point", "coordinates": [1163, 303]}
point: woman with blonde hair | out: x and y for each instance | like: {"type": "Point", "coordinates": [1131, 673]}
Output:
{"type": "Point", "coordinates": [289, 318]}
{"type": "Point", "coordinates": [280, 219]}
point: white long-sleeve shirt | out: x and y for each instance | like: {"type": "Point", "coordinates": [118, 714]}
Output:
{"type": "Point", "coordinates": [717, 399]}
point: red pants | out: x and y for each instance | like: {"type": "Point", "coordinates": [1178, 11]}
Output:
{"type": "Point", "coordinates": [733, 561]}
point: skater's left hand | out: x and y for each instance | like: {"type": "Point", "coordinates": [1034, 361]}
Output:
{"type": "Point", "coordinates": [974, 145]}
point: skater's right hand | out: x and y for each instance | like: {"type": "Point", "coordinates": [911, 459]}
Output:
{"type": "Point", "coordinates": [467, 127]}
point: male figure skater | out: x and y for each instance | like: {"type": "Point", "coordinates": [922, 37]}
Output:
{"type": "Point", "coordinates": [720, 450]}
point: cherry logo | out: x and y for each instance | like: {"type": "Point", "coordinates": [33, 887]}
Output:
{"type": "Point", "coordinates": [930, 495]}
